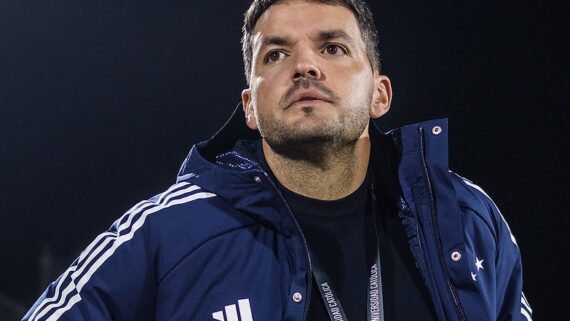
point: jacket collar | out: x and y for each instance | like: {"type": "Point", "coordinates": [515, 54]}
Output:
{"type": "Point", "coordinates": [226, 164]}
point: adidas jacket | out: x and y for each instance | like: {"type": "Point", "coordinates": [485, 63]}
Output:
{"type": "Point", "coordinates": [221, 243]}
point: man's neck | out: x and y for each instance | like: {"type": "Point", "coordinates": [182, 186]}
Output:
{"type": "Point", "coordinates": [339, 173]}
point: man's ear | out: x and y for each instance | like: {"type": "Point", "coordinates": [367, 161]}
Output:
{"type": "Point", "coordinates": [382, 96]}
{"type": "Point", "coordinates": [250, 119]}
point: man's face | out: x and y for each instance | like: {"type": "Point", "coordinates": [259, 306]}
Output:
{"type": "Point", "coordinates": [311, 79]}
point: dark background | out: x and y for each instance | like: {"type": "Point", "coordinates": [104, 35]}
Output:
{"type": "Point", "coordinates": [101, 100]}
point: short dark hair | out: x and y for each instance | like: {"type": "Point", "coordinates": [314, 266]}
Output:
{"type": "Point", "coordinates": [359, 8]}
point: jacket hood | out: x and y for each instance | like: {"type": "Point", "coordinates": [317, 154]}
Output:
{"type": "Point", "coordinates": [231, 156]}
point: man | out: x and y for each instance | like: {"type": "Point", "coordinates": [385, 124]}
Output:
{"type": "Point", "coordinates": [311, 213]}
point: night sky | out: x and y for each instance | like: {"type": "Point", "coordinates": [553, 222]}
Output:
{"type": "Point", "coordinates": [100, 101]}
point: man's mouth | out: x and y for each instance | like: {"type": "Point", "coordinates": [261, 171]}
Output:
{"type": "Point", "coordinates": [308, 96]}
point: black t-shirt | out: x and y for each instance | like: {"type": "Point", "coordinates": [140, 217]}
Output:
{"type": "Point", "coordinates": [341, 234]}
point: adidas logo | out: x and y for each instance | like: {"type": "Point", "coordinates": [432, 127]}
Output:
{"type": "Point", "coordinates": [231, 312]}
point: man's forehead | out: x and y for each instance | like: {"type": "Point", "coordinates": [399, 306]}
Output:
{"type": "Point", "coordinates": [290, 19]}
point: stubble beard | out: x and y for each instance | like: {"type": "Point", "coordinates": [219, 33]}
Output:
{"type": "Point", "coordinates": [318, 143]}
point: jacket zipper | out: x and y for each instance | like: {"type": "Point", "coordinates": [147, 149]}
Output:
{"type": "Point", "coordinates": [420, 258]}
{"type": "Point", "coordinates": [310, 283]}
{"type": "Point", "coordinates": [458, 307]}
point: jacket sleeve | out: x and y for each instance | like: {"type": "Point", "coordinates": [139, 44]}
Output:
{"type": "Point", "coordinates": [110, 280]}
{"type": "Point", "coordinates": [511, 303]}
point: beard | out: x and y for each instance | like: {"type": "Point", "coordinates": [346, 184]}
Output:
{"type": "Point", "coordinates": [320, 139]}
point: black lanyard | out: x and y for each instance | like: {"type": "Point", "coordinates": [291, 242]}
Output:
{"type": "Point", "coordinates": [375, 306]}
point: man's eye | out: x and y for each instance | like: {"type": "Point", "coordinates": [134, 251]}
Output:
{"type": "Point", "coordinates": [274, 56]}
{"type": "Point", "coordinates": [335, 50]}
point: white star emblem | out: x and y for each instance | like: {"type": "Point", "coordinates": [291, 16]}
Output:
{"type": "Point", "coordinates": [474, 276]}
{"type": "Point", "coordinates": [479, 264]}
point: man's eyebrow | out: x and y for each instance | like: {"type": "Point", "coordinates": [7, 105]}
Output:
{"type": "Point", "coordinates": [327, 35]}
{"type": "Point", "coordinates": [277, 41]}
{"type": "Point", "coordinates": [324, 35]}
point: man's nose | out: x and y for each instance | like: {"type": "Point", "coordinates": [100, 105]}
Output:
{"type": "Point", "coordinates": [306, 65]}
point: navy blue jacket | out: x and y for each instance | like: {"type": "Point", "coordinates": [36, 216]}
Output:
{"type": "Point", "coordinates": [221, 244]}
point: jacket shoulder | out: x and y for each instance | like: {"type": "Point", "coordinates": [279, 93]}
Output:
{"type": "Point", "coordinates": [473, 199]}
{"type": "Point", "coordinates": [183, 205]}
{"type": "Point", "coordinates": [183, 219]}
{"type": "Point", "coordinates": [115, 271]}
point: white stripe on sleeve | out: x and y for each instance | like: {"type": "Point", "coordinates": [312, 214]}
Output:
{"type": "Point", "coordinates": [526, 315]}
{"type": "Point", "coordinates": [101, 245]}
{"type": "Point", "coordinates": [468, 182]}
